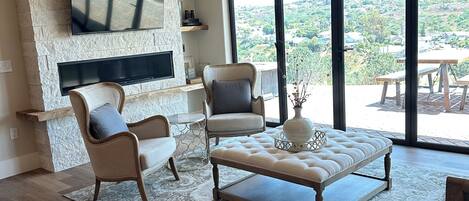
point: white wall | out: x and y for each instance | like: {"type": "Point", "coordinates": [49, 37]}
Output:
{"type": "Point", "coordinates": [212, 46]}
{"type": "Point", "coordinates": [18, 155]}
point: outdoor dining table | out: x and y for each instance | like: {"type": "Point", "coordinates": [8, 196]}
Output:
{"type": "Point", "coordinates": [446, 58]}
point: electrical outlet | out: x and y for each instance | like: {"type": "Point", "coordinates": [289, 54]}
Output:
{"type": "Point", "coordinates": [5, 66]}
{"type": "Point", "coordinates": [13, 133]}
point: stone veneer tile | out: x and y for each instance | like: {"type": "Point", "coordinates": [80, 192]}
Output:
{"type": "Point", "coordinates": [22, 6]}
{"type": "Point", "coordinates": [50, 5]}
{"type": "Point", "coordinates": [57, 32]}
{"type": "Point", "coordinates": [69, 154]}
{"type": "Point", "coordinates": [24, 19]}
{"type": "Point", "coordinates": [29, 49]}
{"type": "Point", "coordinates": [46, 163]}
{"type": "Point", "coordinates": [47, 40]}
{"type": "Point", "coordinates": [35, 95]}
{"type": "Point", "coordinates": [41, 134]}
{"type": "Point", "coordinates": [50, 17]}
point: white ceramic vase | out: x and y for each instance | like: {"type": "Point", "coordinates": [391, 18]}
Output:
{"type": "Point", "coordinates": [298, 129]}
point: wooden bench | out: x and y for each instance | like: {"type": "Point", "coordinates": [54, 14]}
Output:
{"type": "Point", "coordinates": [398, 77]}
{"type": "Point", "coordinates": [464, 82]}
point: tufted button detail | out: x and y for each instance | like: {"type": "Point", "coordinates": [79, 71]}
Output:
{"type": "Point", "coordinates": [344, 149]}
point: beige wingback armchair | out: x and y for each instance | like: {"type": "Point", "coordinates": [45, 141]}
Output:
{"type": "Point", "coordinates": [232, 124]}
{"type": "Point", "coordinates": [126, 155]}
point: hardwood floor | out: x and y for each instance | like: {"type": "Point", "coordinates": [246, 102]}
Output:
{"type": "Point", "coordinates": [39, 185]}
{"type": "Point", "coordinates": [43, 185]}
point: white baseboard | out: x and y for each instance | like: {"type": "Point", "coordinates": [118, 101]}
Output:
{"type": "Point", "coordinates": [18, 165]}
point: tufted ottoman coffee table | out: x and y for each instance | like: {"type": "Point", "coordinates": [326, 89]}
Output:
{"type": "Point", "coordinates": [281, 175]}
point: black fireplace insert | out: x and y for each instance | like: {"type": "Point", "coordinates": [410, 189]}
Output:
{"type": "Point", "coordinates": [124, 70]}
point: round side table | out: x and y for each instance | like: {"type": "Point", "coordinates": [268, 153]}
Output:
{"type": "Point", "coordinates": [191, 151]}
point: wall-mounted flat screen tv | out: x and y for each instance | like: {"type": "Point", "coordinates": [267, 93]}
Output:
{"type": "Point", "coordinates": [93, 16]}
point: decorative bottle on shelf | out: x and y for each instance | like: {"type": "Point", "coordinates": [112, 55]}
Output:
{"type": "Point", "coordinates": [192, 15]}
{"type": "Point", "coordinates": [298, 129]}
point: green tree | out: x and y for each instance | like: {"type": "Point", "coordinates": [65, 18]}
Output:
{"type": "Point", "coordinates": [373, 26]}
{"type": "Point", "coordinates": [268, 29]}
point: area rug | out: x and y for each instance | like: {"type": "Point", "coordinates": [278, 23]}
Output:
{"type": "Point", "coordinates": [410, 183]}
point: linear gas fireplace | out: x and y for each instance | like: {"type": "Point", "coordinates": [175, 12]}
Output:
{"type": "Point", "coordinates": [123, 70]}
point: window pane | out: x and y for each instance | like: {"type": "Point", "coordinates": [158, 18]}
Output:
{"type": "Point", "coordinates": [255, 37]}
{"type": "Point", "coordinates": [308, 48]}
{"type": "Point", "coordinates": [444, 46]}
{"type": "Point", "coordinates": [375, 87]}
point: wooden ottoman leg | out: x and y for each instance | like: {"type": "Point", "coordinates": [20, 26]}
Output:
{"type": "Point", "coordinates": [387, 170]}
{"type": "Point", "coordinates": [383, 94]}
{"type": "Point", "coordinates": [216, 188]}
{"type": "Point", "coordinates": [319, 193]}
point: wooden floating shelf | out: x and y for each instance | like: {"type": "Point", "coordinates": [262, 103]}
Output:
{"type": "Point", "coordinates": [42, 116]}
{"type": "Point", "coordinates": [194, 28]}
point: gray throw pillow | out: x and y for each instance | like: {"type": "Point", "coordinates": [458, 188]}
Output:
{"type": "Point", "coordinates": [105, 121]}
{"type": "Point", "coordinates": [233, 96]}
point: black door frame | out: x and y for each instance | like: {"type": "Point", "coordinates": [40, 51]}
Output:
{"type": "Point", "coordinates": [411, 78]}
{"type": "Point", "coordinates": [338, 70]}
{"type": "Point", "coordinates": [281, 60]}
{"type": "Point", "coordinates": [338, 66]}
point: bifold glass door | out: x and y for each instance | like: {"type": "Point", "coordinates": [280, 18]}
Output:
{"type": "Point", "coordinates": [374, 40]}
{"type": "Point", "coordinates": [443, 47]}
{"type": "Point", "coordinates": [307, 30]}
{"type": "Point", "coordinates": [254, 24]}
{"type": "Point", "coordinates": [396, 68]}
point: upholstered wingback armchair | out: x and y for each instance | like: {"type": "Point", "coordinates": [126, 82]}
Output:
{"type": "Point", "coordinates": [232, 124]}
{"type": "Point", "coordinates": [147, 145]}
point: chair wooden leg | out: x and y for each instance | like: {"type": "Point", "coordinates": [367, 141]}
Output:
{"type": "Point", "coordinates": [97, 185]}
{"type": "Point", "coordinates": [173, 168]}
{"type": "Point", "coordinates": [141, 188]}
{"type": "Point", "coordinates": [207, 146]}
{"type": "Point", "coordinates": [398, 93]}
{"type": "Point", "coordinates": [383, 94]}
{"type": "Point", "coordinates": [430, 82]}
{"type": "Point", "coordinates": [216, 188]}
{"type": "Point", "coordinates": [217, 140]}
{"type": "Point", "coordinates": [387, 171]}
{"type": "Point", "coordinates": [463, 98]}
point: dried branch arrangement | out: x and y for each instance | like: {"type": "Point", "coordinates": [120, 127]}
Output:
{"type": "Point", "coordinates": [300, 92]}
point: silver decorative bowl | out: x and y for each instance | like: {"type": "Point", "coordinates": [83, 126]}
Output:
{"type": "Point", "coordinates": [318, 139]}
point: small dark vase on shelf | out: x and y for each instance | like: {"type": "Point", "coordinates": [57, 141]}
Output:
{"type": "Point", "coordinates": [189, 19]}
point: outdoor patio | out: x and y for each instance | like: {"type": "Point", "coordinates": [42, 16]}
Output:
{"type": "Point", "coordinates": [366, 114]}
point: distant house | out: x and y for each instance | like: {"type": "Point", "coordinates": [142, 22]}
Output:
{"type": "Point", "coordinates": [324, 37]}
{"type": "Point", "coordinates": [395, 50]}
{"type": "Point", "coordinates": [353, 38]}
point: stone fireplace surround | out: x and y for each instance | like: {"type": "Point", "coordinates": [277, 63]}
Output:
{"type": "Point", "coordinates": [47, 40]}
